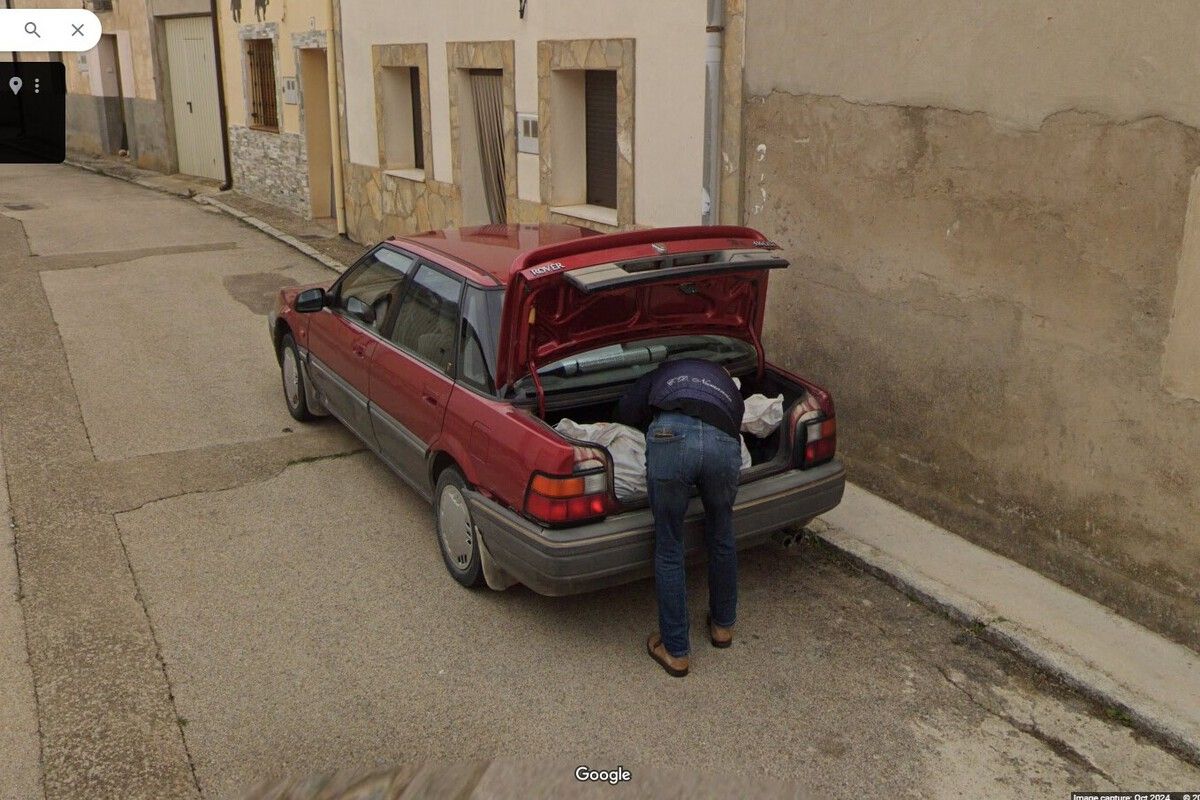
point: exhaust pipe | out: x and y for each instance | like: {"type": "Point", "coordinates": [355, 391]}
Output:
{"type": "Point", "coordinates": [787, 538]}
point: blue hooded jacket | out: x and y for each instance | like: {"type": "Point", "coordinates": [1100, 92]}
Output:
{"type": "Point", "coordinates": [690, 386]}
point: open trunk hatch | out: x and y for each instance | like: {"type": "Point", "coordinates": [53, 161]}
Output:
{"type": "Point", "coordinates": [603, 297]}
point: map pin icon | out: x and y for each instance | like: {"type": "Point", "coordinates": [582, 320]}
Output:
{"type": "Point", "coordinates": [15, 84]}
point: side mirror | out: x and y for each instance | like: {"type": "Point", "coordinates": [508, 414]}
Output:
{"type": "Point", "coordinates": [357, 308]}
{"type": "Point", "coordinates": [310, 300]}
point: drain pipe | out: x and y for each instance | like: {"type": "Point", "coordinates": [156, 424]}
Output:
{"type": "Point", "coordinates": [216, 31]}
{"type": "Point", "coordinates": [333, 43]}
{"type": "Point", "coordinates": [711, 196]}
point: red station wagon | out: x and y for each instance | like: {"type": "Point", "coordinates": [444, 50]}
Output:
{"type": "Point", "coordinates": [452, 354]}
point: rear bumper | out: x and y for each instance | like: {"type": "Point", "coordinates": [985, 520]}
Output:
{"type": "Point", "coordinates": [559, 561]}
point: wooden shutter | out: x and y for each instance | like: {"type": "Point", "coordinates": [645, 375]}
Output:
{"type": "Point", "coordinates": [600, 89]}
{"type": "Point", "coordinates": [414, 83]}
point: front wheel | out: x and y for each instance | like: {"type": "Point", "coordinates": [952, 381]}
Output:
{"type": "Point", "coordinates": [293, 380]}
{"type": "Point", "coordinates": [456, 529]}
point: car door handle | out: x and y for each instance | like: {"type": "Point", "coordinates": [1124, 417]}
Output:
{"type": "Point", "coordinates": [360, 350]}
{"type": "Point", "coordinates": [428, 398]}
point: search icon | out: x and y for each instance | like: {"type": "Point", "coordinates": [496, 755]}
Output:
{"type": "Point", "coordinates": [31, 27]}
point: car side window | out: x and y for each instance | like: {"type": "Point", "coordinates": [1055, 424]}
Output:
{"type": "Point", "coordinates": [377, 281]}
{"type": "Point", "coordinates": [428, 317]}
{"type": "Point", "coordinates": [478, 341]}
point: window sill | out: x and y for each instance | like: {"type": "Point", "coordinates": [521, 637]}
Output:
{"type": "Point", "coordinates": [416, 175]}
{"type": "Point", "coordinates": [601, 214]}
{"type": "Point", "coordinates": [264, 128]}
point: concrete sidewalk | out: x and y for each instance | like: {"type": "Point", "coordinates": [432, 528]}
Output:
{"type": "Point", "coordinates": [1136, 673]}
{"type": "Point", "coordinates": [314, 239]}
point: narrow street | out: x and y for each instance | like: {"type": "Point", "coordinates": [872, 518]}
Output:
{"type": "Point", "coordinates": [207, 593]}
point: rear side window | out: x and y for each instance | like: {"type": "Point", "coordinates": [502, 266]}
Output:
{"type": "Point", "coordinates": [478, 343]}
{"type": "Point", "coordinates": [428, 318]}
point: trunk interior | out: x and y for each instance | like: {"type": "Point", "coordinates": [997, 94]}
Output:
{"type": "Point", "coordinates": [762, 451]}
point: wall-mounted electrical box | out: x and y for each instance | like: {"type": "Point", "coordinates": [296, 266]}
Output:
{"type": "Point", "coordinates": [291, 91]}
{"type": "Point", "coordinates": [527, 133]}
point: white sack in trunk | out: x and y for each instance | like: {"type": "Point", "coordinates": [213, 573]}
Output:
{"type": "Point", "coordinates": [745, 453]}
{"type": "Point", "coordinates": [763, 415]}
{"type": "Point", "coordinates": [626, 445]}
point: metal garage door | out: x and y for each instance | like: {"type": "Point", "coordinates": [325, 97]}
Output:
{"type": "Point", "coordinates": [194, 96]}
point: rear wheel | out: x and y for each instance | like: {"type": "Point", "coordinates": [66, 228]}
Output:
{"type": "Point", "coordinates": [293, 380]}
{"type": "Point", "coordinates": [456, 529]}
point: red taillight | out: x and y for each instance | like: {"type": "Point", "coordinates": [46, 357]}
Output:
{"type": "Point", "coordinates": [820, 441]}
{"type": "Point", "coordinates": [559, 499]}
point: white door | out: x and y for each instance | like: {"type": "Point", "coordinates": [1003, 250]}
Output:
{"type": "Point", "coordinates": [194, 96]}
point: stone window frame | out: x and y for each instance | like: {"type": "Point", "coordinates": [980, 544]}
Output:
{"type": "Point", "coordinates": [501, 55]}
{"type": "Point", "coordinates": [589, 54]}
{"type": "Point", "coordinates": [308, 40]}
{"type": "Point", "coordinates": [261, 30]}
{"type": "Point", "coordinates": [384, 56]}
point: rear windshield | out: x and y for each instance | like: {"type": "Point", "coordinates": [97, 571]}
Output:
{"type": "Point", "coordinates": [621, 363]}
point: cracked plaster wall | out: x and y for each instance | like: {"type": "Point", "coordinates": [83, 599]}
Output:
{"type": "Point", "coordinates": [986, 210]}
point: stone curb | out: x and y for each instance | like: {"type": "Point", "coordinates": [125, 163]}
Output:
{"type": "Point", "coordinates": [146, 184]}
{"type": "Point", "coordinates": [1148, 715]}
{"type": "Point", "coordinates": [210, 200]}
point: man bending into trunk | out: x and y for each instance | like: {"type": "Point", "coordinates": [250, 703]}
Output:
{"type": "Point", "coordinates": [691, 412]}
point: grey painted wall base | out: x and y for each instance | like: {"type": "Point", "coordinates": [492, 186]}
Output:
{"type": "Point", "coordinates": [272, 167]}
{"type": "Point", "coordinates": [94, 126]}
{"type": "Point", "coordinates": [150, 146]}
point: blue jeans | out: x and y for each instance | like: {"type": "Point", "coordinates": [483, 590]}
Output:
{"type": "Point", "coordinates": [682, 454]}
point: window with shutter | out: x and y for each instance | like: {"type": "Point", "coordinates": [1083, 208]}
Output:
{"type": "Point", "coordinates": [600, 111]}
{"type": "Point", "coordinates": [260, 61]}
{"type": "Point", "coordinates": [414, 84]}
{"type": "Point", "coordinates": [402, 125]}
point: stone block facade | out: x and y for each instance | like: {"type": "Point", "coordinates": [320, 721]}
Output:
{"type": "Point", "coordinates": [379, 205]}
{"type": "Point", "coordinates": [272, 167]}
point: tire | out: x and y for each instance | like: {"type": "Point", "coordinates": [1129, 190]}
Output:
{"type": "Point", "coordinates": [294, 391]}
{"type": "Point", "coordinates": [456, 529]}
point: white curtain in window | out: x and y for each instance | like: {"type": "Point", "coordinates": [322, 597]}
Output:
{"type": "Point", "coordinates": [487, 92]}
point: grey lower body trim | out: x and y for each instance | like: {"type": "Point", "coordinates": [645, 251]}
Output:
{"type": "Point", "coordinates": [315, 406]}
{"type": "Point", "coordinates": [401, 450]}
{"type": "Point", "coordinates": [342, 399]}
{"type": "Point", "coordinates": [621, 548]}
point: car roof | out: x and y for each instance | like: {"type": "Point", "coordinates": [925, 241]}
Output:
{"type": "Point", "coordinates": [493, 249]}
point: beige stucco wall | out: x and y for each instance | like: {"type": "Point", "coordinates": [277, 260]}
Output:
{"type": "Point", "coordinates": [1018, 60]}
{"type": "Point", "coordinates": [986, 206]}
{"type": "Point", "coordinates": [273, 164]}
{"type": "Point", "coordinates": [129, 21]}
{"type": "Point", "coordinates": [669, 97]}
{"type": "Point", "coordinates": [291, 17]}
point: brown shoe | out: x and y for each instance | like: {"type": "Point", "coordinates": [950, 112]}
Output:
{"type": "Point", "coordinates": [720, 637]}
{"type": "Point", "coordinates": [676, 667]}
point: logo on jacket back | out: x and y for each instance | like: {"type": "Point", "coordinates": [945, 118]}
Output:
{"type": "Point", "coordinates": [674, 383]}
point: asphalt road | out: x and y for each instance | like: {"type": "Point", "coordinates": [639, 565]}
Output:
{"type": "Point", "coordinates": [207, 594]}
